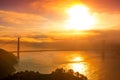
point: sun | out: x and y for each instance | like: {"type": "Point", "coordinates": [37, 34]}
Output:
{"type": "Point", "coordinates": [80, 18]}
{"type": "Point", "coordinates": [77, 59]}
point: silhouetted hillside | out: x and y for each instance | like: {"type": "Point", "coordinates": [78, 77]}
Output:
{"type": "Point", "coordinates": [59, 74]}
{"type": "Point", "coordinates": [7, 61]}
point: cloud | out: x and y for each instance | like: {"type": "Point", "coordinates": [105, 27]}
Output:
{"type": "Point", "coordinates": [20, 22]}
{"type": "Point", "coordinates": [56, 7]}
{"type": "Point", "coordinates": [41, 41]}
{"type": "Point", "coordinates": [110, 6]}
{"type": "Point", "coordinates": [27, 22]}
{"type": "Point", "coordinates": [20, 18]}
{"type": "Point", "coordinates": [107, 21]}
{"type": "Point", "coordinates": [2, 28]}
{"type": "Point", "coordinates": [53, 9]}
{"type": "Point", "coordinates": [14, 5]}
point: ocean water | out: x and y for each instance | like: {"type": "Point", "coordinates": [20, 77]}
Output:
{"type": "Point", "coordinates": [91, 64]}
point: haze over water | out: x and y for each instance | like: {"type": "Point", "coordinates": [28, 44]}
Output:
{"type": "Point", "coordinates": [88, 63]}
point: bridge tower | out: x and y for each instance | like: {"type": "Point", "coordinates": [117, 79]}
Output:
{"type": "Point", "coordinates": [18, 48]}
{"type": "Point", "coordinates": [103, 50]}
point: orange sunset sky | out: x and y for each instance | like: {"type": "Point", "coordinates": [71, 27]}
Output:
{"type": "Point", "coordinates": [55, 21]}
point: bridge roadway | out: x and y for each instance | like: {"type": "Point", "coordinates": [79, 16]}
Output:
{"type": "Point", "coordinates": [41, 50]}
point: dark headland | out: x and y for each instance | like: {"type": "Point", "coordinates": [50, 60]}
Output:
{"type": "Point", "coordinates": [7, 62]}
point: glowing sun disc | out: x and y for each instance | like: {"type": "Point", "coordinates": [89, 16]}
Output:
{"type": "Point", "coordinates": [79, 18]}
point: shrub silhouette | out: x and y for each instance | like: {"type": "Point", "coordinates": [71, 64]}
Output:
{"type": "Point", "coordinates": [58, 74]}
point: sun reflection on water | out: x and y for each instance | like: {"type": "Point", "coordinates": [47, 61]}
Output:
{"type": "Point", "coordinates": [78, 65]}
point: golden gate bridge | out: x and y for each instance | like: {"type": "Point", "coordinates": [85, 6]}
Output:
{"type": "Point", "coordinates": [18, 50]}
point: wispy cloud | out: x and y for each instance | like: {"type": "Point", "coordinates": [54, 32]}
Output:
{"type": "Point", "coordinates": [21, 21]}
{"type": "Point", "coordinates": [21, 18]}
{"type": "Point", "coordinates": [109, 6]}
